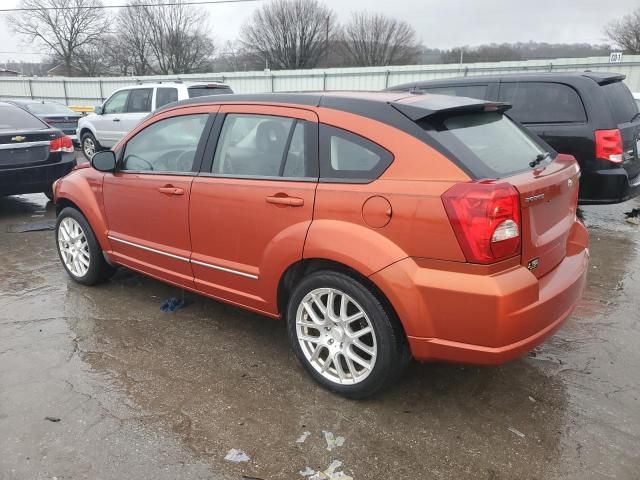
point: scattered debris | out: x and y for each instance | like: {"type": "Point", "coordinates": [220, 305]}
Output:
{"type": "Point", "coordinates": [52, 419]}
{"type": "Point", "coordinates": [620, 285]}
{"type": "Point", "coordinates": [307, 472]}
{"type": "Point", "coordinates": [303, 437]}
{"type": "Point", "coordinates": [332, 440]}
{"type": "Point", "coordinates": [532, 399]}
{"type": "Point", "coordinates": [517, 432]}
{"type": "Point", "coordinates": [331, 474]}
{"type": "Point", "coordinates": [633, 216]}
{"type": "Point", "coordinates": [172, 304]}
{"type": "Point", "coordinates": [245, 477]}
{"type": "Point", "coordinates": [237, 456]}
{"type": "Point", "coordinates": [33, 227]}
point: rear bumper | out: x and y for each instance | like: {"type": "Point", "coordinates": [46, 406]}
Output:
{"type": "Point", "coordinates": [34, 179]}
{"type": "Point", "coordinates": [607, 186]}
{"type": "Point", "coordinates": [484, 318]}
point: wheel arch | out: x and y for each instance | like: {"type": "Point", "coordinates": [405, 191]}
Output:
{"type": "Point", "coordinates": [298, 270]}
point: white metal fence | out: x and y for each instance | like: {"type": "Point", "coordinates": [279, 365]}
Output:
{"type": "Point", "coordinates": [92, 91]}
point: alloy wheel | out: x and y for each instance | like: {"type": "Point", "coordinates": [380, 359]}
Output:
{"type": "Point", "coordinates": [336, 336]}
{"type": "Point", "coordinates": [74, 247]}
{"type": "Point", "coordinates": [89, 147]}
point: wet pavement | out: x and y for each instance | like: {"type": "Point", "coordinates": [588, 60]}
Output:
{"type": "Point", "coordinates": [142, 394]}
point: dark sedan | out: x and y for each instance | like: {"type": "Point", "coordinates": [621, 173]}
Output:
{"type": "Point", "coordinates": [32, 154]}
{"type": "Point", "coordinates": [52, 113]}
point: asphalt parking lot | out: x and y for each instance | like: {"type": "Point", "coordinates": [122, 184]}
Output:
{"type": "Point", "coordinates": [143, 394]}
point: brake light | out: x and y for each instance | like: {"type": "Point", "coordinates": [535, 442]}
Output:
{"type": "Point", "coordinates": [61, 144]}
{"type": "Point", "coordinates": [609, 145]}
{"type": "Point", "coordinates": [486, 220]}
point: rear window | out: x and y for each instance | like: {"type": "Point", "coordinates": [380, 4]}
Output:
{"type": "Point", "coordinates": [621, 101]}
{"type": "Point", "coordinates": [543, 102]}
{"type": "Point", "coordinates": [14, 118]}
{"type": "Point", "coordinates": [49, 109]}
{"type": "Point", "coordinates": [489, 144]}
{"type": "Point", "coordinates": [204, 91]}
{"type": "Point", "coordinates": [471, 91]}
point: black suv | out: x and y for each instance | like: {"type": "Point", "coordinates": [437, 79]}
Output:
{"type": "Point", "coordinates": [32, 154]}
{"type": "Point", "coordinates": [591, 116]}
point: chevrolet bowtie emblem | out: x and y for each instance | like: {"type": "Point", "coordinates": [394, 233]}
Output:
{"type": "Point", "coordinates": [18, 138]}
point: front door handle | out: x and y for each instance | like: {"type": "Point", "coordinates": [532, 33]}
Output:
{"type": "Point", "coordinates": [171, 190]}
{"type": "Point", "coordinates": [116, 119]}
{"type": "Point", "coordinates": [286, 200]}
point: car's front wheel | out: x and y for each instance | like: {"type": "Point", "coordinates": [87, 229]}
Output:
{"type": "Point", "coordinates": [89, 145]}
{"type": "Point", "coordinates": [343, 335]}
{"type": "Point", "coordinates": [79, 250]}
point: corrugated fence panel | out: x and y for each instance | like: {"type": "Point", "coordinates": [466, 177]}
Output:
{"type": "Point", "coordinates": [92, 91]}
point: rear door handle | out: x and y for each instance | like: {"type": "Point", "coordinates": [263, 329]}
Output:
{"type": "Point", "coordinates": [116, 119]}
{"type": "Point", "coordinates": [285, 200]}
{"type": "Point", "coordinates": [171, 190]}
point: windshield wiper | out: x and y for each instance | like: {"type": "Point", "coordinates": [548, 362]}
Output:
{"type": "Point", "coordinates": [539, 159]}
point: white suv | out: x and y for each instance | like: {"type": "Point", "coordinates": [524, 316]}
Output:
{"type": "Point", "coordinates": [126, 107]}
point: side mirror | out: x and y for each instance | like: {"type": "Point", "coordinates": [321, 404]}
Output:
{"type": "Point", "coordinates": [104, 161]}
{"type": "Point", "coordinates": [98, 109]}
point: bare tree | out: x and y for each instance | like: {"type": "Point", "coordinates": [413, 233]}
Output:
{"type": "Point", "coordinates": [178, 37]}
{"type": "Point", "coordinates": [63, 27]}
{"type": "Point", "coordinates": [132, 50]}
{"type": "Point", "coordinates": [626, 32]}
{"type": "Point", "coordinates": [376, 39]}
{"type": "Point", "coordinates": [290, 33]}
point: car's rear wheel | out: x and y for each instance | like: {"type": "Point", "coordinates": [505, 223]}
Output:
{"type": "Point", "coordinates": [89, 145]}
{"type": "Point", "coordinates": [79, 250]}
{"type": "Point", "coordinates": [343, 335]}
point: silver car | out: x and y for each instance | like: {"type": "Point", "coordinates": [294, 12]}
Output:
{"type": "Point", "coordinates": [126, 107]}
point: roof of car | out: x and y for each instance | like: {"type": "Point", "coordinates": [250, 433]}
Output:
{"type": "Point", "coordinates": [371, 104]}
{"type": "Point", "coordinates": [598, 77]}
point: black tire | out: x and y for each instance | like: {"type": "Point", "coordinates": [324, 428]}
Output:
{"type": "Point", "coordinates": [99, 270]}
{"type": "Point", "coordinates": [392, 350]}
{"type": "Point", "coordinates": [89, 138]}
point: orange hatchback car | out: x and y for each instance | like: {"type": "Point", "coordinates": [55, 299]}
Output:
{"type": "Point", "coordinates": [379, 226]}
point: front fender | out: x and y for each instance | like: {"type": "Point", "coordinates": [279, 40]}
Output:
{"type": "Point", "coordinates": [361, 248]}
{"type": "Point", "coordinates": [83, 188]}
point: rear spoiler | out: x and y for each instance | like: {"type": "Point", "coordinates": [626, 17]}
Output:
{"type": "Point", "coordinates": [420, 110]}
{"type": "Point", "coordinates": [605, 78]}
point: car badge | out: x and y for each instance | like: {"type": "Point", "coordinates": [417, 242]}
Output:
{"type": "Point", "coordinates": [533, 263]}
{"type": "Point", "coordinates": [18, 138]}
{"type": "Point", "coordinates": [570, 182]}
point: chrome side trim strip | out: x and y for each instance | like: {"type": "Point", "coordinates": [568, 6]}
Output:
{"type": "Point", "coordinates": [223, 269]}
{"type": "Point", "coordinates": [184, 259]}
{"type": "Point", "coordinates": [149, 249]}
{"type": "Point", "coordinates": [11, 146]}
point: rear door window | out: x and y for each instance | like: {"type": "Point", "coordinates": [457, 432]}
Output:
{"type": "Point", "coordinates": [166, 95]}
{"type": "Point", "coordinates": [140, 100]}
{"type": "Point", "coordinates": [15, 118]}
{"type": "Point", "coordinates": [489, 144]}
{"type": "Point", "coordinates": [620, 99]}
{"type": "Point", "coordinates": [543, 102]}
{"type": "Point", "coordinates": [345, 156]}
{"type": "Point", "coordinates": [471, 91]}
{"type": "Point", "coordinates": [263, 146]}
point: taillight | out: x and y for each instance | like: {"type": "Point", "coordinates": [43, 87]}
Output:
{"type": "Point", "coordinates": [61, 144]}
{"type": "Point", "coordinates": [609, 145]}
{"type": "Point", "coordinates": [486, 220]}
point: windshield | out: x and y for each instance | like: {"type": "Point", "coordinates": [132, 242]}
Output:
{"type": "Point", "coordinates": [49, 109]}
{"type": "Point", "coordinates": [489, 144]}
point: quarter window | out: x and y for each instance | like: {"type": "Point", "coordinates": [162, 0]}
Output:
{"type": "Point", "coordinates": [117, 102]}
{"type": "Point", "coordinates": [140, 100]}
{"type": "Point", "coordinates": [347, 156]}
{"type": "Point", "coordinates": [166, 146]}
{"type": "Point", "coordinates": [165, 96]}
{"type": "Point", "coordinates": [537, 102]}
{"type": "Point", "coordinates": [262, 146]}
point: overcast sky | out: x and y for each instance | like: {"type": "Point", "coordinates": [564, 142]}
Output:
{"type": "Point", "coordinates": [439, 23]}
